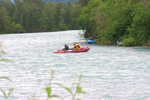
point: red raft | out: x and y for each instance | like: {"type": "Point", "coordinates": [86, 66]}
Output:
{"type": "Point", "coordinates": [84, 49]}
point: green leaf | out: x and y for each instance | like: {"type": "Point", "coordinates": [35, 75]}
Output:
{"type": "Point", "coordinates": [78, 99]}
{"type": "Point", "coordinates": [58, 84]}
{"type": "Point", "coordinates": [68, 90]}
{"type": "Point", "coordinates": [5, 60]}
{"type": "Point", "coordinates": [10, 91]}
{"type": "Point", "coordinates": [48, 90]}
{"type": "Point", "coordinates": [84, 92]}
{"type": "Point", "coordinates": [3, 92]}
{"type": "Point", "coordinates": [78, 89]}
{"type": "Point", "coordinates": [3, 52]}
{"type": "Point", "coordinates": [55, 96]}
{"type": "Point", "coordinates": [75, 83]}
{"type": "Point", "coordinates": [5, 78]}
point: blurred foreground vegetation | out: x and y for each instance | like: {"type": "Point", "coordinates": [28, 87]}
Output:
{"type": "Point", "coordinates": [7, 92]}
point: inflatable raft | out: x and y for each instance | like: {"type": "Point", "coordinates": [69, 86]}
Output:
{"type": "Point", "coordinates": [91, 41]}
{"type": "Point", "coordinates": [84, 49]}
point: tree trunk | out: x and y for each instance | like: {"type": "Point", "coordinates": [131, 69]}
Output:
{"type": "Point", "coordinates": [21, 19]}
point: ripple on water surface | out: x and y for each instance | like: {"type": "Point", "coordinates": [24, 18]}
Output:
{"type": "Point", "coordinates": [110, 72]}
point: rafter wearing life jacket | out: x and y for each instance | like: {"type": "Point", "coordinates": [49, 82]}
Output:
{"type": "Point", "coordinates": [74, 46]}
{"type": "Point", "coordinates": [78, 46]}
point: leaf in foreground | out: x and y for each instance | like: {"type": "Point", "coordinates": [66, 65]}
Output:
{"type": "Point", "coordinates": [10, 91]}
{"type": "Point", "coordinates": [5, 60]}
{"type": "Point", "coordinates": [79, 90]}
{"type": "Point", "coordinates": [3, 92]}
{"type": "Point", "coordinates": [55, 96]}
{"type": "Point", "coordinates": [5, 78]}
{"type": "Point", "coordinates": [3, 52]}
{"type": "Point", "coordinates": [66, 88]}
{"type": "Point", "coordinates": [48, 90]}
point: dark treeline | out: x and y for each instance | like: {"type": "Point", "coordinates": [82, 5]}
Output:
{"type": "Point", "coordinates": [36, 16]}
{"type": "Point", "coordinates": [106, 20]}
{"type": "Point", "coordinates": [110, 20]}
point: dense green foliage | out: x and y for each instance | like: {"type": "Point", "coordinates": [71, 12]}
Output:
{"type": "Point", "coordinates": [36, 16]}
{"type": "Point", "coordinates": [110, 20]}
{"type": "Point", "coordinates": [63, 1]}
{"type": "Point", "coordinates": [106, 20]}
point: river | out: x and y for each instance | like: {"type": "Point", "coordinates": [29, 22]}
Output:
{"type": "Point", "coordinates": [110, 72]}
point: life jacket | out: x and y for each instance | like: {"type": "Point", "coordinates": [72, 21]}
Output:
{"type": "Point", "coordinates": [78, 46]}
{"type": "Point", "coordinates": [74, 47]}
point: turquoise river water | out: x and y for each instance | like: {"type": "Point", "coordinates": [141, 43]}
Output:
{"type": "Point", "coordinates": [110, 72]}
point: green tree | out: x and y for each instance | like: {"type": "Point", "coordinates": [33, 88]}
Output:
{"type": "Point", "coordinates": [139, 29]}
{"type": "Point", "coordinates": [31, 17]}
{"type": "Point", "coordinates": [58, 15]}
{"type": "Point", "coordinates": [19, 13]}
{"type": "Point", "coordinates": [43, 21]}
{"type": "Point", "coordinates": [83, 2]}
{"type": "Point", "coordinates": [119, 19]}
{"type": "Point", "coordinates": [50, 11]}
{"type": "Point", "coordinates": [9, 6]}
{"type": "Point", "coordinates": [87, 20]}
{"type": "Point", "coordinates": [113, 19]}
{"type": "Point", "coordinates": [4, 19]}
{"type": "Point", "coordinates": [67, 14]}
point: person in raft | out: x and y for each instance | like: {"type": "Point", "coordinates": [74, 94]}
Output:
{"type": "Point", "coordinates": [74, 46]}
{"type": "Point", "coordinates": [65, 47]}
{"type": "Point", "coordinates": [78, 46]}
